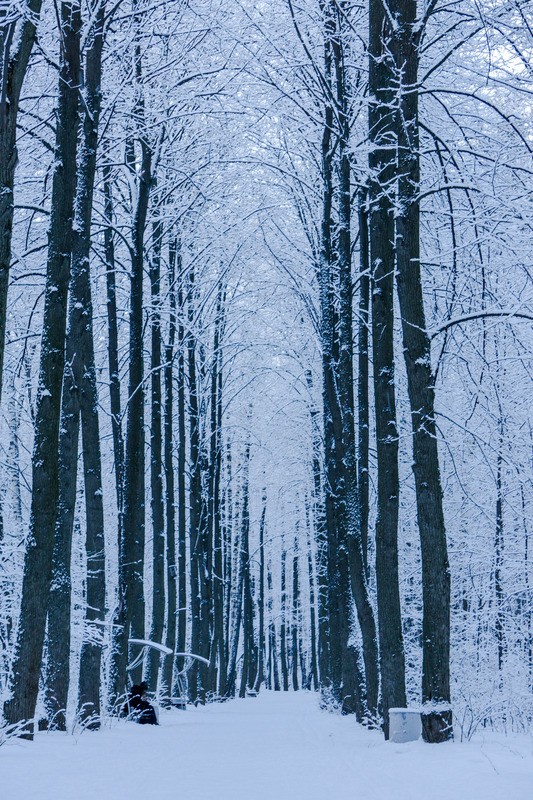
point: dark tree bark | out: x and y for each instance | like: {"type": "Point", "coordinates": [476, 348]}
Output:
{"type": "Point", "coordinates": [205, 535]}
{"type": "Point", "coordinates": [273, 665]}
{"type": "Point", "coordinates": [313, 674]}
{"type": "Point", "coordinates": [339, 475]}
{"type": "Point", "coordinates": [363, 426]}
{"type": "Point", "coordinates": [13, 68]}
{"type": "Point", "coordinates": [345, 553]}
{"type": "Point", "coordinates": [351, 539]}
{"type": "Point", "coordinates": [247, 674]}
{"type": "Point", "coordinates": [319, 518]}
{"type": "Point", "coordinates": [57, 675]}
{"type": "Point", "coordinates": [283, 623]}
{"type": "Point", "coordinates": [38, 560]}
{"type": "Point", "coordinates": [130, 612]}
{"type": "Point", "coordinates": [228, 547]}
{"type": "Point", "coordinates": [196, 521]}
{"type": "Point", "coordinates": [80, 398]}
{"type": "Point", "coordinates": [381, 223]}
{"type": "Point", "coordinates": [261, 644]}
{"type": "Point", "coordinates": [499, 624]}
{"type": "Point", "coordinates": [437, 722]}
{"type": "Point", "coordinates": [295, 616]}
{"type": "Point", "coordinates": [170, 499]}
{"type": "Point", "coordinates": [240, 577]}
{"type": "Point", "coordinates": [332, 428]}
{"type": "Point", "coordinates": [234, 632]}
{"type": "Point", "coordinates": [156, 462]}
{"type": "Point", "coordinates": [219, 546]}
{"type": "Point", "coordinates": [182, 434]}
{"type": "Point", "coordinates": [217, 656]}
{"type": "Point", "coordinates": [91, 652]}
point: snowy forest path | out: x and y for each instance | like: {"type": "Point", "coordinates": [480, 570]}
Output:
{"type": "Point", "coordinates": [278, 746]}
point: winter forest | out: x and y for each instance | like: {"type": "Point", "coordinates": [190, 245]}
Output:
{"type": "Point", "coordinates": [266, 343]}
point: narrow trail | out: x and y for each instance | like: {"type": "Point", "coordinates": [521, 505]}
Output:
{"type": "Point", "coordinates": [274, 747]}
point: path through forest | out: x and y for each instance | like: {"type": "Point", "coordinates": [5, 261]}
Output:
{"type": "Point", "coordinates": [279, 746]}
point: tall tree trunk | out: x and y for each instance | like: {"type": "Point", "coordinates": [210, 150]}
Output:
{"type": "Point", "coordinates": [118, 662]}
{"type": "Point", "coordinates": [130, 614]}
{"type": "Point", "coordinates": [381, 223]}
{"type": "Point", "coordinates": [182, 523]}
{"type": "Point", "coordinates": [91, 652]}
{"type": "Point", "coordinates": [363, 426]}
{"type": "Point", "coordinates": [283, 623]}
{"type": "Point", "coordinates": [340, 479]}
{"type": "Point", "coordinates": [247, 674]}
{"type": "Point", "coordinates": [313, 675]}
{"type": "Point", "coordinates": [38, 560]}
{"type": "Point", "coordinates": [319, 519]}
{"type": "Point", "coordinates": [240, 577]}
{"type": "Point", "coordinates": [333, 677]}
{"type": "Point", "coordinates": [218, 544]}
{"type": "Point", "coordinates": [156, 463]}
{"type": "Point", "coordinates": [80, 397]}
{"type": "Point", "coordinates": [195, 497]}
{"type": "Point", "coordinates": [437, 723]}
{"type": "Point", "coordinates": [170, 499]}
{"type": "Point", "coordinates": [57, 675]}
{"type": "Point", "coordinates": [213, 504]}
{"type": "Point", "coordinates": [261, 599]}
{"type": "Point", "coordinates": [112, 344]}
{"type": "Point", "coordinates": [205, 536]}
{"type": "Point", "coordinates": [13, 69]}
{"type": "Point", "coordinates": [273, 666]}
{"type": "Point", "coordinates": [228, 547]}
{"type": "Point", "coordinates": [295, 615]}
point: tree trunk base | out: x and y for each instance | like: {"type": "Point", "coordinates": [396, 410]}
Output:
{"type": "Point", "coordinates": [437, 727]}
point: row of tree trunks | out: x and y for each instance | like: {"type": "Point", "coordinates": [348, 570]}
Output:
{"type": "Point", "coordinates": [26, 666]}
{"type": "Point", "coordinates": [394, 231]}
{"type": "Point", "coordinates": [351, 538]}
{"type": "Point", "coordinates": [346, 566]}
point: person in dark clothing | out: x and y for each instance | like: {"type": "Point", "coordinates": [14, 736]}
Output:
{"type": "Point", "coordinates": [138, 708]}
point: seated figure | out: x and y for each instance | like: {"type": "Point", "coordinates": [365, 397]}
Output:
{"type": "Point", "coordinates": [138, 708]}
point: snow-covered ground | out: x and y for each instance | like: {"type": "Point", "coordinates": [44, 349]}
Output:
{"type": "Point", "coordinates": [273, 747]}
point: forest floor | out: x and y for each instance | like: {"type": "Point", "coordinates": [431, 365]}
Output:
{"type": "Point", "coordinates": [274, 747]}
